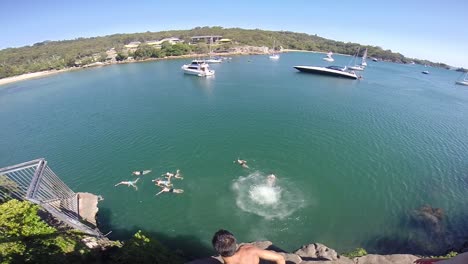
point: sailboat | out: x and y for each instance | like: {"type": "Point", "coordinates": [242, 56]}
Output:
{"type": "Point", "coordinates": [464, 81]}
{"type": "Point", "coordinates": [213, 59]}
{"type": "Point", "coordinates": [358, 67]}
{"type": "Point", "coordinates": [329, 57]}
{"type": "Point", "coordinates": [274, 55]}
{"type": "Point", "coordinates": [364, 57]}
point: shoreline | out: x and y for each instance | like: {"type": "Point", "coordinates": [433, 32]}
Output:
{"type": "Point", "coordinates": [41, 74]}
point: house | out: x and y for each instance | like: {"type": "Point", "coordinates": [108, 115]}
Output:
{"type": "Point", "coordinates": [158, 43]}
{"type": "Point", "coordinates": [133, 44]}
{"type": "Point", "coordinates": [205, 39]}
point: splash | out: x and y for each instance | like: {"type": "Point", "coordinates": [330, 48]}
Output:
{"type": "Point", "coordinates": [255, 195]}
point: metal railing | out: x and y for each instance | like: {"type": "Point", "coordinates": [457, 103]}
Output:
{"type": "Point", "coordinates": [36, 182]}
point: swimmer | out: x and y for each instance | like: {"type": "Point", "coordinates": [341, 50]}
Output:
{"type": "Point", "coordinates": [177, 175]}
{"type": "Point", "coordinates": [170, 190]}
{"type": "Point", "coordinates": [271, 180]}
{"type": "Point", "coordinates": [129, 183]}
{"type": "Point", "coordinates": [140, 173]}
{"type": "Point", "coordinates": [168, 175]}
{"type": "Point", "coordinates": [162, 183]}
{"type": "Point", "coordinates": [243, 163]}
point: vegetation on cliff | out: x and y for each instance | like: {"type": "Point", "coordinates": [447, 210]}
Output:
{"type": "Point", "coordinates": [49, 55]}
{"type": "Point", "coordinates": [26, 237]}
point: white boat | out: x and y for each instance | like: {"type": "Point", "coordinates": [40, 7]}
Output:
{"type": "Point", "coordinates": [357, 67]}
{"type": "Point", "coordinates": [464, 81]}
{"type": "Point", "coordinates": [274, 55]}
{"type": "Point", "coordinates": [336, 71]}
{"type": "Point", "coordinates": [364, 57]}
{"type": "Point", "coordinates": [329, 57]}
{"type": "Point", "coordinates": [199, 68]}
{"type": "Point", "coordinates": [213, 60]}
{"type": "Point", "coordinates": [425, 72]}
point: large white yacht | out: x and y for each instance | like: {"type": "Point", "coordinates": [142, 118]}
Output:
{"type": "Point", "coordinates": [199, 68]}
{"type": "Point", "coordinates": [336, 71]}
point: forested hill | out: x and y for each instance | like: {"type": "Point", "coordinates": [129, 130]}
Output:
{"type": "Point", "coordinates": [49, 55]}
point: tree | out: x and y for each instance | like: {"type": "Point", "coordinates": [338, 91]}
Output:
{"type": "Point", "coordinates": [121, 57]}
{"type": "Point", "coordinates": [143, 249]}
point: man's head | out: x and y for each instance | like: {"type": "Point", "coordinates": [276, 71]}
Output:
{"type": "Point", "coordinates": [224, 243]}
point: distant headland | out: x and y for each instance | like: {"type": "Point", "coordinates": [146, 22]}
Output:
{"type": "Point", "coordinates": [49, 57]}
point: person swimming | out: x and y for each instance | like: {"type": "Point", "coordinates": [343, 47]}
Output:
{"type": "Point", "coordinates": [177, 175]}
{"type": "Point", "coordinates": [170, 190]}
{"type": "Point", "coordinates": [162, 183]}
{"type": "Point", "coordinates": [271, 180]}
{"type": "Point", "coordinates": [140, 173]}
{"type": "Point", "coordinates": [129, 183]}
{"type": "Point", "coordinates": [243, 163]}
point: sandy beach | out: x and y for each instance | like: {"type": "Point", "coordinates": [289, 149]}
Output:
{"type": "Point", "coordinates": [32, 75]}
{"type": "Point", "coordinates": [41, 74]}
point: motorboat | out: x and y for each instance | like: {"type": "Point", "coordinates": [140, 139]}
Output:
{"type": "Point", "coordinates": [329, 57]}
{"type": "Point", "coordinates": [464, 81]}
{"type": "Point", "coordinates": [199, 68]}
{"type": "Point", "coordinates": [425, 72]}
{"type": "Point", "coordinates": [336, 71]}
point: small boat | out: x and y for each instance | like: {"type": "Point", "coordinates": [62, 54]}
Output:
{"type": "Point", "coordinates": [274, 55]}
{"type": "Point", "coordinates": [336, 71]}
{"type": "Point", "coordinates": [329, 57]}
{"type": "Point", "coordinates": [213, 60]}
{"type": "Point", "coordinates": [199, 68]}
{"type": "Point", "coordinates": [464, 81]}
{"type": "Point", "coordinates": [375, 59]}
{"type": "Point", "coordinates": [425, 72]}
{"type": "Point", "coordinates": [357, 67]}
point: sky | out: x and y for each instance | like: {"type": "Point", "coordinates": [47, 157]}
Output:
{"type": "Point", "coordinates": [432, 29]}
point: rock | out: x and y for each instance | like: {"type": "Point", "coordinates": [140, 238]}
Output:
{"type": "Point", "coordinates": [316, 251]}
{"type": "Point", "coordinates": [341, 260]}
{"type": "Point", "coordinates": [210, 260]}
{"type": "Point", "coordinates": [386, 259]}
{"type": "Point", "coordinates": [291, 258]}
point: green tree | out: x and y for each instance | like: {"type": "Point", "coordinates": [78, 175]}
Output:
{"type": "Point", "coordinates": [26, 238]}
{"type": "Point", "coordinates": [120, 56]}
{"type": "Point", "coordinates": [143, 249]}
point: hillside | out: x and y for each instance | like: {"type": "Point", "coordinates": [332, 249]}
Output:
{"type": "Point", "coordinates": [50, 55]}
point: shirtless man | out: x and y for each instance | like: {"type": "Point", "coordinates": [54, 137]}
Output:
{"type": "Point", "coordinates": [140, 173]}
{"type": "Point", "coordinates": [170, 190]}
{"type": "Point", "coordinates": [243, 163]}
{"type": "Point", "coordinates": [129, 183]}
{"type": "Point", "coordinates": [225, 244]}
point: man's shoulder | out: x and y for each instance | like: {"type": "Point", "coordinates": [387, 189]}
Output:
{"type": "Point", "coordinates": [248, 247]}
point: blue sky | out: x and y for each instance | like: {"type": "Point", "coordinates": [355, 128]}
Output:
{"type": "Point", "coordinates": [431, 29]}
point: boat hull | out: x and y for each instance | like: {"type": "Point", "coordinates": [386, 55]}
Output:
{"type": "Point", "coordinates": [356, 68]}
{"type": "Point", "coordinates": [198, 72]}
{"type": "Point", "coordinates": [465, 83]}
{"type": "Point", "coordinates": [325, 71]}
{"type": "Point", "coordinates": [328, 59]}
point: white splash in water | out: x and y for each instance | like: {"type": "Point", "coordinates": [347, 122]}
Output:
{"type": "Point", "coordinates": [255, 195]}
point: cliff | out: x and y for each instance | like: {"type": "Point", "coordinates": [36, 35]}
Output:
{"type": "Point", "coordinates": [317, 253]}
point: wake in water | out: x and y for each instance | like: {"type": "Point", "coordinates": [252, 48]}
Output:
{"type": "Point", "coordinates": [254, 194]}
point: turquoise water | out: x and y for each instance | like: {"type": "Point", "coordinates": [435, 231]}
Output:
{"type": "Point", "coordinates": [353, 158]}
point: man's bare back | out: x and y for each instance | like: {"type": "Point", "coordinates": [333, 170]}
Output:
{"type": "Point", "coordinates": [225, 244]}
{"type": "Point", "coordinates": [249, 254]}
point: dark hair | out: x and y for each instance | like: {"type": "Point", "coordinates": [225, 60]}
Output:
{"type": "Point", "coordinates": [224, 243]}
